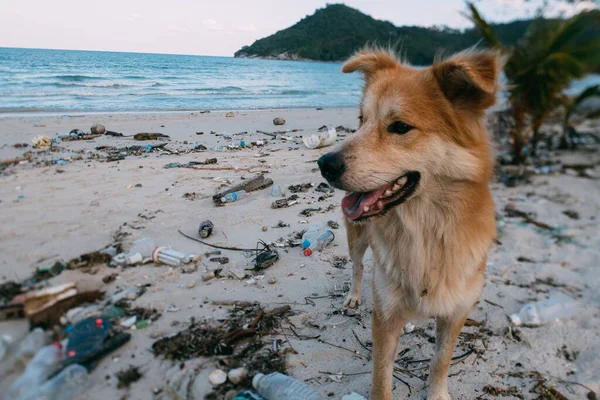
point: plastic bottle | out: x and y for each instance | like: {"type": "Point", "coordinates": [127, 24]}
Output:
{"type": "Point", "coordinates": [235, 196]}
{"type": "Point", "coordinates": [277, 386]}
{"type": "Point", "coordinates": [276, 190]}
{"type": "Point", "coordinates": [311, 234]}
{"type": "Point", "coordinates": [45, 362]}
{"type": "Point", "coordinates": [30, 346]}
{"type": "Point", "coordinates": [542, 312]}
{"type": "Point", "coordinates": [143, 246]}
{"type": "Point", "coordinates": [320, 242]}
{"type": "Point", "coordinates": [66, 385]}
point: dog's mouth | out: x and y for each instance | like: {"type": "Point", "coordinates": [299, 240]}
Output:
{"type": "Point", "coordinates": [360, 206]}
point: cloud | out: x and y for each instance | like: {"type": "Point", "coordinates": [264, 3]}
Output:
{"type": "Point", "coordinates": [135, 17]}
{"type": "Point", "coordinates": [245, 28]}
{"type": "Point", "coordinates": [177, 28]}
{"type": "Point", "coordinates": [572, 9]}
{"type": "Point", "coordinates": [212, 24]}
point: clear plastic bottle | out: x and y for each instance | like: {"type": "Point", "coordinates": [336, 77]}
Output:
{"type": "Point", "coordinates": [541, 312]}
{"type": "Point", "coordinates": [235, 196]}
{"type": "Point", "coordinates": [144, 246]}
{"type": "Point", "coordinates": [66, 385]}
{"type": "Point", "coordinates": [320, 242]}
{"type": "Point", "coordinates": [277, 386]}
{"type": "Point", "coordinates": [44, 364]}
{"type": "Point", "coordinates": [29, 347]}
{"type": "Point", "coordinates": [276, 190]}
{"type": "Point", "coordinates": [311, 234]}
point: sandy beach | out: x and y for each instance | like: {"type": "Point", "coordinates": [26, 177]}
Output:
{"type": "Point", "coordinates": [56, 212]}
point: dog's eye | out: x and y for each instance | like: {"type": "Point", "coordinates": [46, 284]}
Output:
{"type": "Point", "coordinates": [399, 127]}
{"type": "Point", "coordinates": [360, 119]}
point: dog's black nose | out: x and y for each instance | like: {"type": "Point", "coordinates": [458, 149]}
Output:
{"type": "Point", "coordinates": [332, 166]}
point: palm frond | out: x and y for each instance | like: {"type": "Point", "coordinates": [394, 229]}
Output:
{"type": "Point", "coordinates": [482, 27]}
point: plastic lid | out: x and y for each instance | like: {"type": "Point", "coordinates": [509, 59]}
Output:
{"type": "Point", "coordinates": [308, 252]}
{"type": "Point", "coordinates": [515, 319]}
{"type": "Point", "coordinates": [255, 380]}
{"type": "Point", "coordinates": [306, 244]}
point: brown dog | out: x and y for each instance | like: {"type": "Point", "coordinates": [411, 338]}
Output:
{"type": "Point", "coordinates": [418, 170]}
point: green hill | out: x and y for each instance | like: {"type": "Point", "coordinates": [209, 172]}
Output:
{"type": "Point", "coordinates": [336, 31]}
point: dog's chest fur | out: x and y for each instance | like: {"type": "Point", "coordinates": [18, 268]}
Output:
{"type": "Point", "coordinates": [427, 259]}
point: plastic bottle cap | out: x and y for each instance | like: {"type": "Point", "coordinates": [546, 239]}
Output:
{"type": "Point", "coordinates": [58, 345]}
{"type": "Point", "coordinates": [308, 252]}
{"type": "Point", "coordinates": [255, 380]}
{"type": "Point", "coordinates": [306, 244]}
{"type": "Point", "coordinates": [515, 319]}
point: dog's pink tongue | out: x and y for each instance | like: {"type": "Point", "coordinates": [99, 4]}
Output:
{"type": "Point", "coordinates": [354, 203]}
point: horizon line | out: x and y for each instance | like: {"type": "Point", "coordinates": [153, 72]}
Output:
{"type": "Point", "coordinates": [113, 51]}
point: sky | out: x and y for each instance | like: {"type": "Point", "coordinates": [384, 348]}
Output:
{"type": "Point", "coordinates": [211, 27]}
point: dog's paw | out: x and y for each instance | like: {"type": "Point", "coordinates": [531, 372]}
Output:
{"type": "Point", "coordinates": [439, 396]}
{"type": "Point", "coordinates": [353, 301]}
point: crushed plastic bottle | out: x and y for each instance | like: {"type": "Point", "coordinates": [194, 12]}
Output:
{"type": "Point", "coordinates": [66, 385]}
{"type": "Point", "coordinates": [235, 196]}
{"type": "Point", "coordinates": [541, 312]}
{"type": "Point", "coordinates": [320, 242]}
{"type": "Point", "coordinates": [276, 190]}
{"type": "Point", "coordinates": [144, 246]}
{"type": "Point", "coordinates": [44, 364]}
{"type": "Point", "coordinates": [311, 234]}
{"type": "Point", "coordinates": [277, 386]}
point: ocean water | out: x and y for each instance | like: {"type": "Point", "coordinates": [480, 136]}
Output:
{"type": "Point", "coordinates": [46, 80]}
{"type": "Point", "coordinates": [68, 80]}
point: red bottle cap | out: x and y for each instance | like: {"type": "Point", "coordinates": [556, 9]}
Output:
{"type": "Point", "coordinates": [308, 252]}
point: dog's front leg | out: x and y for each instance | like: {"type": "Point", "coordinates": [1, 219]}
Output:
{"type": "Point", "coordinates": [357, 245]}
{"type": "Point", "coordinates": [386, 333]}
{"type": "Point", "coordinates": [447, 331]}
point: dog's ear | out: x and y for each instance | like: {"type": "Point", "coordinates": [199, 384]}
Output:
{"type": "Point", "coordinates": [368, 61]}
{"type": "Point", "coordinates": [470, 79]}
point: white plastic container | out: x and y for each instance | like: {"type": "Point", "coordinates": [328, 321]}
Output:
{"type": "Point", "coordinates": [322, 140]}
{"type": "Point", "coordinates": [66, 385]}
{"type": "Point", "coordinates": [44, 364]}
{"type": "Point", "coordinates": [278, 386]}
{"type": "Point", "coordinates": [542, 312]}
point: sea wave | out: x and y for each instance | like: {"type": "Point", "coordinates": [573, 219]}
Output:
{"type": "Point", "coordinates": [109, 84]}
{"type": "Point", "coordinates": [78, 78]}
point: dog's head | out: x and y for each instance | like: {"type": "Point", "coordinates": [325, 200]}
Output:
{"type": "Point", "coordinates": [420, 130]}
